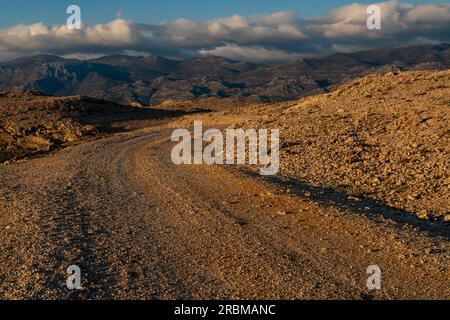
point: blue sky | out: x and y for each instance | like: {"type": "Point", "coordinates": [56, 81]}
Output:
{"type": "Point", "coordinates": [150, 11]}
{"type": "Point", "coordinates": [251, 30]}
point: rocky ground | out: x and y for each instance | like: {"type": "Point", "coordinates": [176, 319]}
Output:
{"type": "Point", "coordinates": [383, 137]}
{"type": "Point", "coordinates": [33, 123]}
{"type": "Point", "coordinates": [140, 227]}
{"type": "Point", "coordinates": [356, 165]}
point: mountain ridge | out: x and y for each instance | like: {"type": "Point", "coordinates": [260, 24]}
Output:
{"type": "Point", "coordinates": [154, 79]}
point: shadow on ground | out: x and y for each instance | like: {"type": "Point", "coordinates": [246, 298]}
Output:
{"type": "Point", "coordinates": [373, 209]}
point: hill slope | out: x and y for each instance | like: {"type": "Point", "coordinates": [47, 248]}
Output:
{"type": "Point", "coordinates": [32, 123]}
{"type": "Point", "coordinates": [383, 137]}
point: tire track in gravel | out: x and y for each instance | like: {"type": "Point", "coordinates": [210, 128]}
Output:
{"type": "Point", "coordinates": [141, 228]}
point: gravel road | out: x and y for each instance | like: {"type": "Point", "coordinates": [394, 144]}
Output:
{"type": "Point", "coordinates": [141, 228]}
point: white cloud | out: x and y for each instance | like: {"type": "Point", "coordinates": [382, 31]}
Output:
{"type": "Point", "coordinates": [279, 36]}
{"type": "Point", "coordinates": [39, 37]}
{"type": "Point", "coordinates": [255, 54]}
{"type": "Point", "coordinates": [429, 13]}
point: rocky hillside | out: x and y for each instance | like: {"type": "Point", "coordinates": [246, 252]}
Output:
{"type": "Point", "coordinates": [384, 137]}
{"type": "Point", "coordinates": [33, 123]}
{"type": "Point", "coordinates": [152, 80]}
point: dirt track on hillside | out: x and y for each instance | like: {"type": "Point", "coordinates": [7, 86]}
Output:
{"type": "Point", "coordinates": [141, 228]}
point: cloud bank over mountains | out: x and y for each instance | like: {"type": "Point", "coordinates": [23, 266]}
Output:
{"type": "Point", "coordinates": [277, 37]}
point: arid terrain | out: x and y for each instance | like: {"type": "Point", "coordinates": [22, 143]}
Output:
{"type": "Point", "coordinates": [383, 137]}
{"type": "Point", "coordinates": [32, 123]}
{"type": "Point", "coordinates": [364, 181]}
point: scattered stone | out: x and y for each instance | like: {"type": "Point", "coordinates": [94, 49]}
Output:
{"type": "Point", "coordinates": [44, 123]}
{"type": "Point", "coordinates": [376, 151]}
{"type": "Point", "coordinates": [423, 215]}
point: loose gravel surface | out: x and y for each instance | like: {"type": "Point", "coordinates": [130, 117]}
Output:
{"type": "Point", "coordinates": [363, 182]}
{"type": "Point", "coordinates": [140, 227]}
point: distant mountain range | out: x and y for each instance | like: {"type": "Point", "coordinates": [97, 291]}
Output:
{"type": "Point", "coordinates": [151, 80]}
